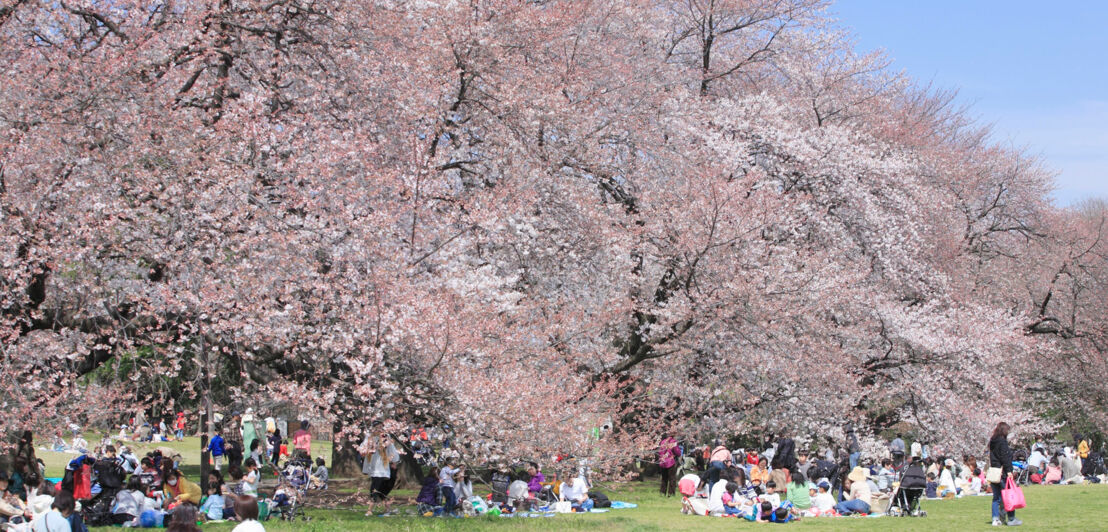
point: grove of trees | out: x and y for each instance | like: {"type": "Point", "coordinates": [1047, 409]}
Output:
{"type": "Point", "coordinates": [522, 219]}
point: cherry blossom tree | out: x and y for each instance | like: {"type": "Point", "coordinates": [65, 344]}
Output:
{"type": "Point", "coordinates": [520, 221]}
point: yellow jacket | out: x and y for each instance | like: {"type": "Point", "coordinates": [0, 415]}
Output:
{"type": "Point", "coordinates": [188, 490]}
{"type": "Point", "coordinates": [1083, 449]}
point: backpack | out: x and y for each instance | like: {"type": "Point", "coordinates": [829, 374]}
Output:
{"type": "Point", "coordinates": [822, 469]}
{"type": "Point", "coordinates": [600, 500]}
{"type": "Point", "coordinates": [500, 482]}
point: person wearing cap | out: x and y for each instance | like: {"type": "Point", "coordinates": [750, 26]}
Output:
{"type": "Point", "coordinates": [859, 498]}
{"type": "Point", "coordinates": [823, 503]}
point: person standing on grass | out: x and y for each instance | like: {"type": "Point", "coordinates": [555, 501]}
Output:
{"type": "Point", "coordinates": [852, 445]}
{"type": "Point", "coordinates": [1000, 455]}
{"type": "Point", "coordinates": [275, 445]}
{"type": "Point", "coordinates": [232, 437]}
{"type": "Point", "coordinates": [215, 446]}
{"type": "Point", "coordinates": [378, 458]}
{"type": "Point", "coordinates": [897, 449]}
{"type": "Point", "coordinates": [302, 442]}
{"type": "Point", "coordinates": [668, 454]}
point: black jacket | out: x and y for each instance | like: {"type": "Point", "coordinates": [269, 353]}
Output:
{"type": "Point", "coordinates": [786, 454]}
{"type": "Point", "coordinates": [1000, 455]}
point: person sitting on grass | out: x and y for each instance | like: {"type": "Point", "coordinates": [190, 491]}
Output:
{"type": "Point", "coordinates": [129, 502]}
{"type": "Point", "coordinates": [932, 489]}
{"type": "Point", "coordinates": [320, 476]}
{"type": "Point", "coordinates": [715, 494]}
{"type": "Point", "coordinates": [859, 498]}
{"type": "Point", "coordinates": [798, 493]}
{"type": "Point", "coordinates": [823, 504]}
{"type": "Point", "coordinates": [535, 480]}
{"type": "Point", "coordinates": [246, 508]}
{"type": "Point", "coordinates": [183, 519]}
{"type": "Point", "coordinates": [232, 491]}
{"type": "Point", "coordinates": [575, 490]}
{"type": "Point", "coordinates": [1053, 472]}
{"type": "Point", "coordinates": [179, 490]}
{"type": "Point", "coordinates": [12, 508]}
{"type": "Point", "coordinates": [886, 475]}
{"type": "Point", "coordinates": [771, 494]}
{"type": "Point", "coordinates": [212, 509]}
{"type": "Point", "coordinates": [57, 519]}
{"type": "Point", "coordinates": [732, 505]}
{"type": "Point", "coordinates": [759, 475]}
{"type": "Point", "coordinates": [428, 498]}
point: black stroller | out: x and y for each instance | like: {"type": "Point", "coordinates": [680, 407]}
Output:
{"type": "Point", "coordinates": [909, 491]}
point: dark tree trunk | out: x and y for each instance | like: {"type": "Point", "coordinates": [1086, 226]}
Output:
{"type": "Point", "coordinates": [345, 460]}
{"type": "Point", "coordinates": [410, 473]}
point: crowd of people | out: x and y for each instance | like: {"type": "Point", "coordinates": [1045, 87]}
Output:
{"type": "Point", "coordinates": [107, 484]}
{"type": "Point", "coordinates": [447, 487]}
{"type": "Point", "coordinates": [779, 483]}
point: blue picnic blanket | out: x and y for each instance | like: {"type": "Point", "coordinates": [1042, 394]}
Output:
{"type": "Point", "coordinates": [620, 505]}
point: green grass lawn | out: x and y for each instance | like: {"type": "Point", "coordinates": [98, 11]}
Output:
{"type": "Point", "coordinates": [1049, 508]}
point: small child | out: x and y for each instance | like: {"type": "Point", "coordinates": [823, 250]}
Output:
{"type": "Point", "coordinates": [932, 490]}
{"type": "Point", "coordinates": [975, 482]}
{"type": "Point", "coordinates": [731, 505]}
{"type": "Point", "coordinates": [216, 447]}
{"type": "Point", "coordinates": [822, 503]}
{"type": "Point", "coordinates": [765, 512]}
{"type": "Point", "coordinates": [886, 476]}
{"type": "Point", "coordinates": [771, 495]}
{"type": "Point", "coordinates": [212, 509]}
{"type": "Point", "coordinates": [319, 478]}
{"type": "Point", "coordinates": [256, 450]}
{"type": "Point", "coordinates": [250, 478]}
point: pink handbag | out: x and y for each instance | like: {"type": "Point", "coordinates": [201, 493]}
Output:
{"type": "Point", "coordinates": [1012, 496]}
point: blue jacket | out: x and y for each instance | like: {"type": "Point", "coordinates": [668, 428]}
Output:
{"type": "Point", "coordinates": [216, 445]}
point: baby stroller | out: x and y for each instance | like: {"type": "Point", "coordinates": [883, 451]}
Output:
{"type": "Point", "coordinates": [906, 497]}
{"type": "Point", "coordinates": [292, 490]}
{"type": "Point", "coordinates": [1093, 466]}
{"type": "Point", "coordinates": [1022, 472]}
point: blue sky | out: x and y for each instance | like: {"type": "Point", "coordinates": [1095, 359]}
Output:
{"type": "Point", "coordinates": [1038, 71]}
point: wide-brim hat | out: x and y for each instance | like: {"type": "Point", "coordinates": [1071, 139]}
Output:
{"type": "Point", "coordinates": [858, 474]}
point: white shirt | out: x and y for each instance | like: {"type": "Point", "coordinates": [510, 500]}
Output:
{"type": "Point", "coordinates": [249, 526]}
{"type": "Point", "coordinates": [715, 496]}
{"type": "Point", "coordinates": [917, 448]}
{"type": "Point", "coordinates": [773, 498]}
{"type": "Point", "coordinates": [51, 521]}
{"type": "Point", "coordinates": [378, 467]}
{"type": "Point", "coordinates": [1038, 459]}
{"type": "Point", "coordinates": [250, 483]}
{"type": "Point", "coordinates": [575, 490]}
{"type": "Point", "coordinates": [824, 501]}
{"type": "Point", "coordinates": [946, 481]}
